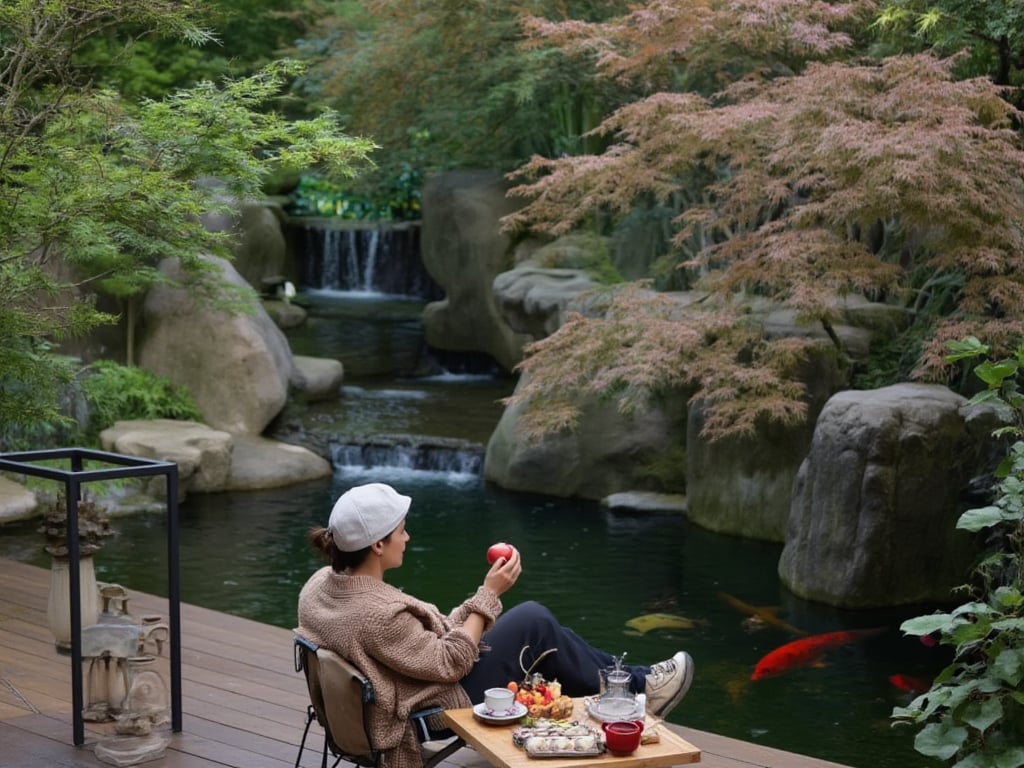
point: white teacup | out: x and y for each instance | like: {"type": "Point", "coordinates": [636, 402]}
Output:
{"type": "Point", "coordinates": [499, 701]}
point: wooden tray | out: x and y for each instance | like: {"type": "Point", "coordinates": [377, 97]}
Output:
{"type": "Point", "coordinates": [495, 743]}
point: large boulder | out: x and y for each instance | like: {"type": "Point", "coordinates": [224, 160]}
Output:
{"type": "Point", "coordinates": [258, 463]}
{"type": "Point", "coordinates": [203, 454]}
{"type": "Point", "coordinates": [317, 378]}
{"type": "Point", "coordinates": [16, 501]}
{"type": "Point", "coordinates": [211, 461]}
{"type": "Point", "coordinates": [875, 503]}
{"type": "Point", "coordinates": [608, 453]}
{"type": "Point", "coordinates": [533, 300]}
{"type": "Point", "coordinates": [257, 244]}
{"type": "Point", "coordinates": [237, 366]}
{"type": "Point", "coordinates": [464, 250]}
{"type": "Point", "coordinates": [743, 485]}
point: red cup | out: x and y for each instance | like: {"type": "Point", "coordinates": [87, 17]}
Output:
{"type": "Point", "coordinates": [622, 736]}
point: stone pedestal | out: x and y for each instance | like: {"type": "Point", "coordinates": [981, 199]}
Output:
{"type": "Point", "coordinates": [58, 606]}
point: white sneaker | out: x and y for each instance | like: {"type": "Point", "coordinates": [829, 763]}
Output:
{"type": "Point", "coordinates": [667, 683]}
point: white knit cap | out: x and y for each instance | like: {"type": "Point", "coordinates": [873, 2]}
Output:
{"type": "Point", "coordinates": [366, 514]}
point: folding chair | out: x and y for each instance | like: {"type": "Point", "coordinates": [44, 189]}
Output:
{"type": "Point", "coordinates": [340, 698]}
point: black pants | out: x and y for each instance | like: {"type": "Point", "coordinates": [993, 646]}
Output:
{"type": "Point", "coordinates": [575, 665]}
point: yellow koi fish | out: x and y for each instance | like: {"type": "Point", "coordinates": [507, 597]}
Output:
{"type": "Point", "coordinates": [651, 621]}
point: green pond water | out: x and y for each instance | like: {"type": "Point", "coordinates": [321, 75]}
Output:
{"type": "Point", "coordinates": [246, 554]}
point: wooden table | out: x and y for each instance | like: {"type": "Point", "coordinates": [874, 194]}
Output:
{"type": "Point", "coordinates": [495, 743]}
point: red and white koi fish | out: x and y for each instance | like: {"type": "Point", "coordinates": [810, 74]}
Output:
{"type": "Point", "coordinates": [807, 651]}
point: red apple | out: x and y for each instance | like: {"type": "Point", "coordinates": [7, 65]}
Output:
{"type": "Point", "coordinates": [501, 549]}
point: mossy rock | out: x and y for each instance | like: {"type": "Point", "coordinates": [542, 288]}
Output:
{"type": "Point", "coordinates": [583, 251]}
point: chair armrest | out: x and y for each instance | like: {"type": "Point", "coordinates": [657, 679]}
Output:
{"type": "Point", "coordinates": [424, 730]}
{"type": "Point", "coordinates": [301, 646]}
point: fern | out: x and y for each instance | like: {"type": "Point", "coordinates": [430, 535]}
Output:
{"type": "Point", "coordinates": [120, 393]}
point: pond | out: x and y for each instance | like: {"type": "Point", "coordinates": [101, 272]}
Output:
{"type": "Point", "coordinates": [246, 554]}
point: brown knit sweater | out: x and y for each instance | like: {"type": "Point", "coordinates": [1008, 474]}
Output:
{"type": "Point", "coordinates": [413, 654]}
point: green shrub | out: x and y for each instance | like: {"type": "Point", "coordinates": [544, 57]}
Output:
{"type": "Point", "coordinates": [394, 198]}
{"type": "Point", "coordinates": [973, 715]}
{"type": "Point", "coordinates": [584, 251]}
{"type": "Point", "coordinates": [119, 393]}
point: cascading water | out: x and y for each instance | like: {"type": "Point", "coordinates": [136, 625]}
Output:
{"type": "Point", "coordinates": [447, 457]}
{"type": "Point", "coordinates": [358, 257]}
{"type": "Point", "coordinates": [401, 409]}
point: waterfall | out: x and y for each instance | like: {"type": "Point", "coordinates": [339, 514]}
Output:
{"type": "Point", "coordinates": [362, 257]}
{"type": "Point", "coordinates": [410, 453]}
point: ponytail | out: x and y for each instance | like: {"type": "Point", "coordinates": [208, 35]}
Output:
{"type": "Point", "coordinates": [323, 542]}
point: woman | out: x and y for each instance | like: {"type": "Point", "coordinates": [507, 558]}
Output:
{"type": "Point", "coordinates": [414, 655]}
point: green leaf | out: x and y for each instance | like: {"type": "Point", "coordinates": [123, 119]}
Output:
{"type": "Point", "coordinates": [967, 348]}
{"type": "Point", "coordinates": [1009, 665]}
{"type": "Point", "coordinates": [1011, 757]}
{"type": "Point", "coordinates": [926, 625]}
{"type": "Point", "coordinates": [985, 396]}
{"type": "Point", "coordinates": [972, 609]}
{"type": "Point", "coordinates": [976, 519]}
{"type": "Point", "coordinates": [967, 632]}
{"type": "Point", "coordinates": [1008, 597]}
{"type": "Point", "coordinates": [1014, 624]}
{"type": "Point", "coordinates": [994, 373]}
{"type": "Point", "coordinates": [973, 760]}
{"type": "Point", "coordinates": [982, 714]}
{"type": "Point", "coordinates": [940, 740]}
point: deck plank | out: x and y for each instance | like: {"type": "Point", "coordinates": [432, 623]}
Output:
{"type": "Point", "coordinates": [244, 704]}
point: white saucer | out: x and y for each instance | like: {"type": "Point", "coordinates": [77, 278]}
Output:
{"type": "Point", "coordinates": [608, 715]}
{"type": "Point", "coordinates": [481, 712]}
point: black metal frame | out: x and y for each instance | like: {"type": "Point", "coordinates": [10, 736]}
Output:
{"type": "Point", "coordinates": [125, 466]}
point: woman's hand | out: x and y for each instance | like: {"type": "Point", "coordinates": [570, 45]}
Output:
{"type": "Point", "coordinates": [503, 573]}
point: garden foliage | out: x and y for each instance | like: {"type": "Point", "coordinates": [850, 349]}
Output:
{"type": "Point", "coordinates": [95, 190]}
{"type": "Point", "coordinates": [448, 84]}
{"type": "Point", "coordinates": [825, 175]}
{"type": "Point", "coordinates": [973, 715]}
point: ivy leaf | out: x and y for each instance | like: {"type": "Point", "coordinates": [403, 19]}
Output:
{"type": "Point", "coordinates": [973, 760]}
{"type": "Point", "coordinates": [982, 714]}
{"type": "Point", "coordinates": [926, 625]}
{"type": "Point", "coordinates": [940, 740]}
{"type": "Point", "coordinates": [975, 520]}
{"type": "Point", "coordinates": [968, 632]}
{"type": "Point", "coordinates": [1008, 597]}
{"type": "Point", "coordinates": [1009, 665]}
{"type": "Point", "coordinates": [973, 609]}
{"type": "Point", "coordinates": [1012, 757]}
{"type": "Point", "coordinates": [1013, 623]}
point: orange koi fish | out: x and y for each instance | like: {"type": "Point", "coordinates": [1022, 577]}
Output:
{"type": "Point", "coordinates": [807, 651]}
{"type": "Point", "coordinates": [758, 615]}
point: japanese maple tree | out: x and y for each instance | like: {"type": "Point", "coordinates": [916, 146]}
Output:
{"type": "Point", "coordinates": [826, 174]}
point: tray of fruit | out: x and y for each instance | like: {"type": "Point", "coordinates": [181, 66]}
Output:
{"type": "Point", "coordinates": [543, 699]}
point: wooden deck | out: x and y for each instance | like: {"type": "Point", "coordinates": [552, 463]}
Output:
{"type": "Point", "coordinates": [244, 705]}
